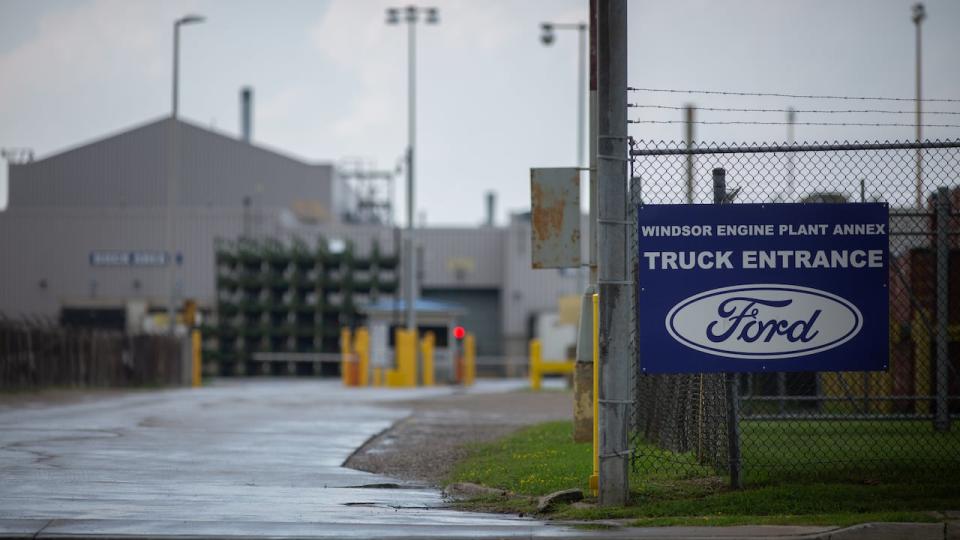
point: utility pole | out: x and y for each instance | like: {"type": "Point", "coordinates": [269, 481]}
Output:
{"type": "Point", "coordinates": [616, 361]}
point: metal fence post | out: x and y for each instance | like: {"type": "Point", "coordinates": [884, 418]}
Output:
{"type": "Point", "coordinates": [942, 416]}
{"type": "Point", "coordinates": [732, 380]}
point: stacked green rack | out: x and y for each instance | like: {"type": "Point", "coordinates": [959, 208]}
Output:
{"type": "Point", "coordinates": [280, 306]}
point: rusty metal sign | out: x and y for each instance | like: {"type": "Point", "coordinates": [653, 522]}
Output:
{"type": "Point", "coordinates": [555, 217]}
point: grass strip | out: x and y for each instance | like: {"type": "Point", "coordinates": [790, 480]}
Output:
{"type": "Point", "coordinates": [671, 489]}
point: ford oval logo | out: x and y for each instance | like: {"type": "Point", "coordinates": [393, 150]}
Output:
{"type": "Point", "coordinates": [764, 321]}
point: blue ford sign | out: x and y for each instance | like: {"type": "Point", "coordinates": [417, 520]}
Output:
{"type": "Point", "coordinates": [763, 287]}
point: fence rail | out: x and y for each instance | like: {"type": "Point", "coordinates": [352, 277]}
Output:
{"type": "Point", "coordinates": [898, 423]}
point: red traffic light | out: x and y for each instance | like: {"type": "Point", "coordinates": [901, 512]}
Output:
{"type": "Point", "coordinates": [459, 332]}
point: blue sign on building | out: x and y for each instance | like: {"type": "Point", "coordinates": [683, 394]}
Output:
{"type": "Point", "coordinates": [130, 258]}
{"type": "Point", "coordinates": [763, 287]}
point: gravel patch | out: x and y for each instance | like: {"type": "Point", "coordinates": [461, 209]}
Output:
{"type": "Point", "coordinates": [424, 446]}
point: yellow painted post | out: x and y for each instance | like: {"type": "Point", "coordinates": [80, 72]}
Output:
{"type": "Point", "coordinates": [394, 378]}
{"type": "Point", "coordinates": [361, 348]}
{"type": "Point", "coordinates": [345, 354]}
{"type": "Point", "coordinates": [469, 359]}
{"type": "Point", "coordinates": [595, 478]}
{"type": "Point", "coordinates": [406, 357]}
{"type": "Point", "coordinates": [377, 376]}
{"type": "Point", "coordinates": [535, 364]}
{"type": "Point", "coordinates": [426, 352]}
{"type": "Point", "coordinates": [195, 342]}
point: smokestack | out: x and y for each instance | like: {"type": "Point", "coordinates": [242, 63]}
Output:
{"type": "Point", "coordinates": [491, 208]}
{"type": "Point", "coordinates": [246, 114]}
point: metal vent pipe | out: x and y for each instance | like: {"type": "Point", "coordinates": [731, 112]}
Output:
{"type": "Point", "coordinates": [246, 114]}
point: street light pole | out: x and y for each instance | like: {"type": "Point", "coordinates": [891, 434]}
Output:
{"type": "Point", "coordinates": [187, 19]}
{"type": "Point", "coordinates": [411, 17]}
{"type": "Point", "coordinates": [411, 289]}
{"type": "Point", "coordinates": [173, 153]}
{"type": "Point", "coordinates": [547, 38]}
{"type": "Point", "coordinates": [176, 68]}
{"type": "Point", "coordinates": [583, 373]}
{"type": "Point", "coordinates": [919, 14]}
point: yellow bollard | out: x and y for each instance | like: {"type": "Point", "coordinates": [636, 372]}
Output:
{"type": "Point", "coordinates": [394, 378]}
{"type": "Point", "coordinates": [361, 349]}
{"type": "Point", "coordinates": [469, 359]}
{"type": "Point", "coordinates": [195, 343]}
{"type": "Point", "coordinates": [426, 352]}
{"type": "Point", "coordinates": [595, 478]}
{"type": "Point", "coordinates": [406, 354]}
{"type": "Point", "coordinates": [345, 356]}
{"type": "Point", "coordinates": [377, 376]}
{"type": "Point", "coordinates": [394, 375]}
{"type": "Point", "coordinates": [535, 360]}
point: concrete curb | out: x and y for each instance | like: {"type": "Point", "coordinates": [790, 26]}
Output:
{"type": "Point", "coordinates": [189, 530]}
{"type": "Point", "coordinates": [890, 531]}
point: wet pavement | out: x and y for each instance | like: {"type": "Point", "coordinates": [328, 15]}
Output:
{"type": "Point", "coordinates": [241, 458]}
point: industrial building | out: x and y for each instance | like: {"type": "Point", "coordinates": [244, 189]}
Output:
{"type": "Point", "coordinates": [107, 232]}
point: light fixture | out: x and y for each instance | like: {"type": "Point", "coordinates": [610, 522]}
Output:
{"type": "Point", "coordinates": [393, 16]}
{"type": "Point", "coordinates": [547, 35]}
{"type": "Point", "coordinates": [191, 19]}
{"type": "Point", "coordinates": [919, 13]}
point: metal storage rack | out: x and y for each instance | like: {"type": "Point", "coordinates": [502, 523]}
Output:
{"type": "Point", "coordinates": [280, 306]}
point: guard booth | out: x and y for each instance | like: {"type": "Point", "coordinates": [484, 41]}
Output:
{"type": "Point", "coordinates": [440, 318]}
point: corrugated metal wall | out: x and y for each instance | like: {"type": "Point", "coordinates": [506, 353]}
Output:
{"type": "Point", "coordinates": [47, 256]}
{"type": "Point", "coordinates": [462, 257]}
{"type": "Point", "coordinates": [110, 195]}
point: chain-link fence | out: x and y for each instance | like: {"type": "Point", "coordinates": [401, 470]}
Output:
{"type": "Point", "coordinates": [860, 425]}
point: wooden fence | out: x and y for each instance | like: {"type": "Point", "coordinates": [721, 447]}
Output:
{"type": "Point", "coordinates": [38, 354]}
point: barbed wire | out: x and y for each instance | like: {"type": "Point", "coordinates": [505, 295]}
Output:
{"type": "Point", "coordinates": [794, 96]}
{"type": "Point", "coordinates": [805, 111]}
{"type": "Point", "coordinates": [753, 123]}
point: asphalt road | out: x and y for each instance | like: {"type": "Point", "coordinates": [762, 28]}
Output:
{"type": "Point", "coordinates": [255, 459]}
{"type": "Point", "coordinates": [241, 458]}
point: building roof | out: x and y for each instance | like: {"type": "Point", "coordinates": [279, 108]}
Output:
{"type": "Point", "coordinates": [132, 169]}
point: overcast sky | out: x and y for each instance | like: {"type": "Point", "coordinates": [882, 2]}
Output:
{"type": "Point", "coordinates": [329, 77]}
